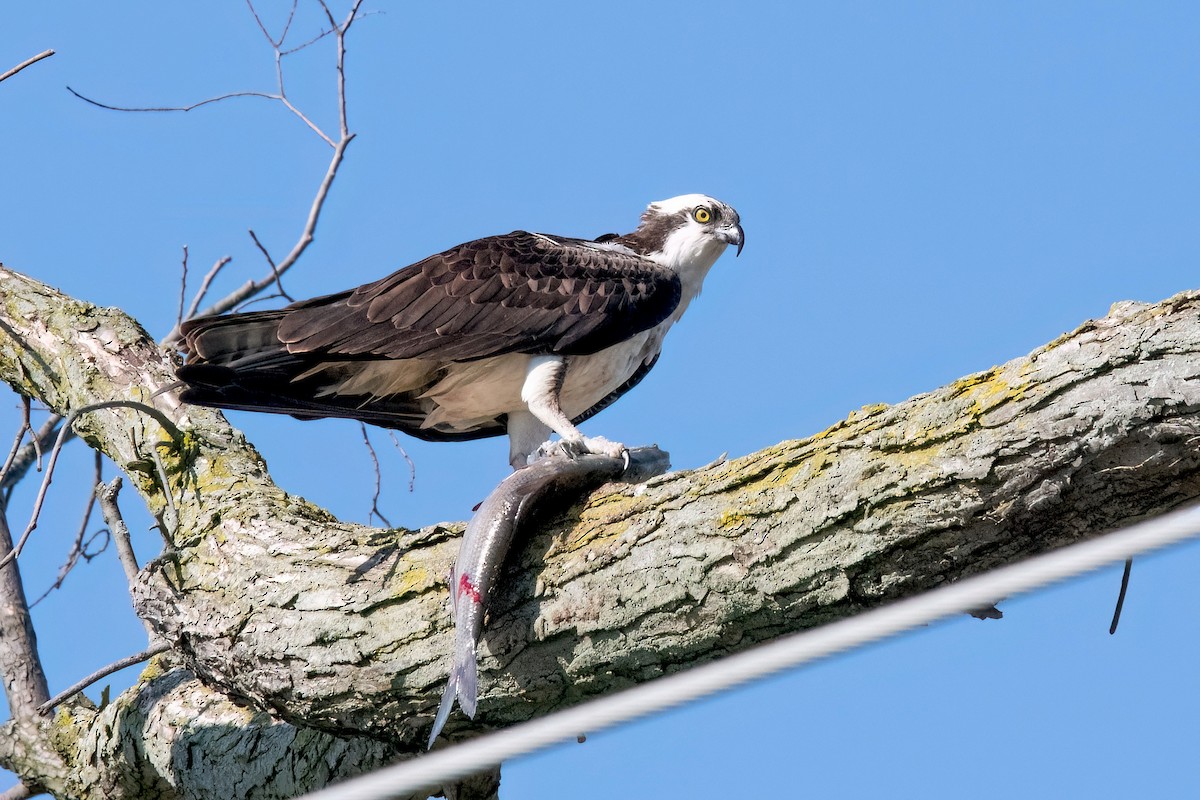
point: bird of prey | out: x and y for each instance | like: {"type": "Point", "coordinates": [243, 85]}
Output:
{"type": "Point", "coordinates": [524, 334]}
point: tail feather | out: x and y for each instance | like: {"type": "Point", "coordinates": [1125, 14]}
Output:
{"type": "Point", "coordinates": [240, 362]}
{"type": "Point", "coordinates": [234, 339]}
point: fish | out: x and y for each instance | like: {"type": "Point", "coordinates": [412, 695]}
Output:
{"type": "Point", "coordinates": [489, 535]}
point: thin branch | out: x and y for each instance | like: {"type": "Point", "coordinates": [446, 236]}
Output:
{"type": "Point", "coordinates": [79, 547]}
{"type": "Point", "coordinates": [265, 298]}
{"type": "Point", "coordinates": [103, 672]}
{"type": "Point", "coordinates": [309, 43]}
{"type": "Point", "coordinates": [26, 63]}
{"type": "Point", "coordinates": [182, 288]}
{"type": "Point", "coordinates": [251, 288]}
{"type": "Point", "coordinates": [254, 287]}
{"type": "Point", "coordinates": [312, 125]}
{"type": "Point", "coordinates": [170, 515]}
{"type": "Point", "coordinates": [328, 15]}
{"type": "Point", "coordinates": [412, 466]}
{"type": "Point", "coordinates": [204, 286]}
{"type": "Point", "coordinates": [20, 437]}
{"type": "Point", "coordinates": [30, 455]}
{"type": "Point", "coordinates": [341, 63]}
{"type": "Point", "coordinates": [163, 109]}
{"type": "Point", "coordinates": [47, 478]}
{"type": "Point", "coordinates": [279, 283]}
{"type": "Point", "coordinates": [107, 493]}
{"type": "Point", "coordinates": [157, 415]}
{"type": "Point", "coordinates": [262, 26]}
{"type": "Point", "coordinates": [287, 26]}
{"type": "Point", "coordinates": [162, 419]}
{"type": "Point", "coordinates": [375, 512]}
{"type": "Point", "coordinates": [262, 249]}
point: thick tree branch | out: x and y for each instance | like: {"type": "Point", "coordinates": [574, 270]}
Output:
{"type": "Point", "coordinates": [344, 628]}
{"type": "Point", "coordinates": [24, 682]}
{"type": "Point", "coordinates": [18, 792]}
{"type": "Point", "coordinates": [20, 667]}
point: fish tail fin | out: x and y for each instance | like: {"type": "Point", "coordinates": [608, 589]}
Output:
{"type": "Point", "coordinates": [463, 684]}
{"type": "Point", "coordinates": [467, 671]}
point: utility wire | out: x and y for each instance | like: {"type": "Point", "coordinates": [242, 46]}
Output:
{"type": "Point", "coordinates": [430, 772]}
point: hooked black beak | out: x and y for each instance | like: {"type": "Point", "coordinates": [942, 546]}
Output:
{"type": "Point", "coordinates": [735, 235]}
{"type": "Point", "coordinates": [741, 240]}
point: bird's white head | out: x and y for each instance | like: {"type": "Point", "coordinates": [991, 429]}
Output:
{"type": "Point", "coordinates": [687, 233]}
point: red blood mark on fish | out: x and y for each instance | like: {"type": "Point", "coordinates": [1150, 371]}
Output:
{"type": "Point", "coordinates": [466, 587]}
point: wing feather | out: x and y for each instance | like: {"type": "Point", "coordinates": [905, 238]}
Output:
{"type": "Point", "coordinates": [519, 292]}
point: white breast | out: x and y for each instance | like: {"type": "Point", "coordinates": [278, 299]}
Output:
{"type": "Point", "coordinates": [592, 378]}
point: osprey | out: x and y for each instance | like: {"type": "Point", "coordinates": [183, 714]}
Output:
{"type": "Point", "coordinates": [524, 334]}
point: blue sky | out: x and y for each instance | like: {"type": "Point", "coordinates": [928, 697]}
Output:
{"type": "Point", "coordinates": [927, 189]}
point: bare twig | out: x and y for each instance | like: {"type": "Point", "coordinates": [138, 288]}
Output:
{"type": "Point", "coordinates": [79, 547]}
{"type": "Point", "coordinates": [262, 249]}
{"type": "Point", "coordinates": [36, 443]}
{"type": "Point", "coordinates": [262, 27]}
{"type": "Point", "coordinates": [341, 60]}
{"type": "Point", "coordinates": [262, 298]}
{"type": "Point", "coordinates": [163, 109]}
{"type": "Point", "coordinates": [103, 672]}
{"type": "Point", "coordinates": [375, 512]}
{"type": "Point", "coordinates": [16, 446]}
{"type": "Point", "coordinates": [30, 455]}
{"type": "Point", "coordinates": [1121, 597]}
{"type": "Point", "coordinates": [182, 288]}
{"type": "Point", "coordinates": [162, 419]}
{"type": "Point", "coordinates": [158, 416]}
{"type": "Point", "coordinates": [412, 467]}
{"type": "Point", "coordinates": [107, 493]}
{"type": "Point", "coordinates": [14, 552]}
{"type": "Point", "coordinates": [254, 287]}
{"type": "Point", "coordinates": [251, 288]}
{"type": "Point", "coordinates": [204, 286]}
{"type": "Point", "coordinates": [26, 63]}
{"type": "Point", "coordinates": [279, 283]}
{"type": "Point", "coordinates": [325, 32]}
{"type": "Point", "coordinates": [277, 46]}
{"type": "Point", "coordinates": [170, 515]}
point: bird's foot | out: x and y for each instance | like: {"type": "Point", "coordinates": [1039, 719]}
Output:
{"type": "Point", "coordinates": [584, 445]}
{"type": "Point", "coordinates": [600, 446]}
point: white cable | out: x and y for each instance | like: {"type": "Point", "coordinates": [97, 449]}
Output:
{"type": "Point", "coordinates": [429, 772]}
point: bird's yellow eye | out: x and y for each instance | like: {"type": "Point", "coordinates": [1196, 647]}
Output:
{"type": "Point", "coordinates": [701, 214]}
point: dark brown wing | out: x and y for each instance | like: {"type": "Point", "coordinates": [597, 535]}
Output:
{"type": "Point", "coordinates": [520, 292]}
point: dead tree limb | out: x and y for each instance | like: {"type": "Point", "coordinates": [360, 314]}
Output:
{"type": "Point", "coordinates": [26, 63]}
{"type": "Point", "coordinates": [271, 601]}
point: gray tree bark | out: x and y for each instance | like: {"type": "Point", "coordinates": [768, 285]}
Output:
{"type": "Point", "coordinates": [306, 649]}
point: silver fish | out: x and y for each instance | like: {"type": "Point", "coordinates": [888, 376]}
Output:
{"type": "Point", "coordinates": [489, 535]}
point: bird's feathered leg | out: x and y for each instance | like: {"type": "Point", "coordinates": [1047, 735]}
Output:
{"type": "Point", "coordinates": [526, 434]}
{"type": "Point", "coordinates": [541, 391]}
